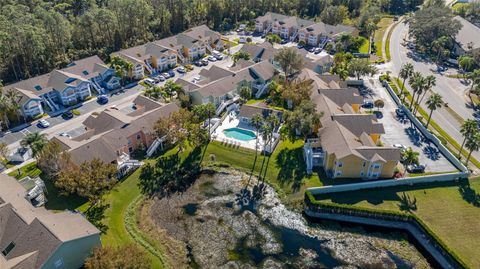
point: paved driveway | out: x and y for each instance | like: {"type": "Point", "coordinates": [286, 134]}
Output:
{"type": "Point", "coordinates": [403, 132]}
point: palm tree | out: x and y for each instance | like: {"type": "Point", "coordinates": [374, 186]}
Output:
{"type": "Point", "coordinates": [289, 60]}
{"type": "Point", "coordinates": [466, 63]}
{"type": "Point", "coordinates": [472, 144]}
{"type": "Point", "coordinates": [434, 102]}
{"type": "Point", "coordinates": [405, 73]}
{"type": "Point", "coordinates": [430, 82]}
{"type": "Point", "coordinates": [417, 82]}
{"type": "Point", "coordinates": [410, 157]}
{"type": "Point", "coordinates": [469, 127]}
{"type": "Point", "coordinates": [36, 141]}
{"type": "Point", "coordinates": [475, 78]}
{"type": "Point", "coordinates": [256, 121]}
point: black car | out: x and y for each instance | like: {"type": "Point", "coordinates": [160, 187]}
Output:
{"type": "Point", "coordinates": [400, 112]}
{"type": "Point", "coordinates": [415, 168]}
{"type": "Point", "coordinates": [171, 73]}
{"type": "Point", "coordinates": [284, 41]}
{"type": "Point", "coordinates": [367, 104]}
{"type": "Point", "coordinates": [67, 115]}
{"type": "Point", "coordinates": [198, 63]}
{"type": "Point", "coordinates": [102, 99]}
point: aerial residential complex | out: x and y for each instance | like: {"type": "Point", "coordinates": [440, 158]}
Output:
{"type": "Point", "coordinates": [64, 87]}
{"type": "Point", "coordinates": [311, 32]}
{"type": "Point", "coordinates": [467, 40]}
{"type": "Point", "coordinates": [164, 54]}
{"type": "Point", "coordinates": [33, 237]}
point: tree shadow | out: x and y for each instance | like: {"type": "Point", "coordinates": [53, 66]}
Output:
{"type": "Point", "coordinates": [407, 203]}
{"type": "Point", "coordinates": [96, 214]}
{"type": "Point", "coordinates": [469, 194]}
{"type": "Point", "coordinates": [292, 167]}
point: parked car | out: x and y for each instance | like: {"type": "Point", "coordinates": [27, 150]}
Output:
{"type": "Point", "coordinates": [300, 46]}
{"type": "Point", "coordinates": [67, 115]}
{"type": "Point", "coordinates": [156, 80]}
{"type": "Point", "coordinates": [64, 134]}
{"type": "Point", "coordinates": [317, 50]}
{"type": "Point", "coordinates": [400, 112]}
{"type": "Point", "coordinates": [212, 59]}
{"type": "Point", "coordinates": [367, 104]}
{"type": "Point", "coordinates": [161, 78]}
{"type": "Point", "coordinates": [415, 168]}
{"type": "Point", "coordinates": [181, 70]}
{"type": "Point", "coordinates": [43, 123]}
{"type": "Point", "coordinates": [171, 73]}
{"type": "Point", "coordinates": [204, 62]}
{"type": "Point", "coordinates": [312, 49]}
{"type": "Point", "coordinates": [166, 75]}
{"type": "Point", "coordinates": [400, 146]}
{"type": "Point", "coordinates": [242, 39]}
{"type": "Point", "coordinates": [284, 41]}
{"type": "Point", "coordinates": [219, 57]}
{"type": "Point", "coordinates": [149, 81]}
{"type": "Point", "coordinates": [198, 63]}
{"type": "Point", "coordinates": [102, 99]}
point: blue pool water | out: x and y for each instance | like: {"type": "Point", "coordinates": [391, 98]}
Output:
{"type": "Point", "coordinates": [240, 134]}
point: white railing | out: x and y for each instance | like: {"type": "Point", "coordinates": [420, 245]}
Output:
{"type": "Point", "coordinates": [150, 69]}
{"type": "Point", "coordinates": [180, 56]}
{"type": "Point", "coordinates": [268, 29]}
{"type": "Point", "coordinates": [261, 91]}
{"type": "Point", "coordinates": [294, 36]}
{"type": "Point", "coordinates": [209, 48]}
{"type": "Point", "coordinates": [51, 103]}
{"type": "Point", "coordinates": [154, 147]}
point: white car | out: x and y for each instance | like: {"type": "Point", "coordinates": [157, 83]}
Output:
{"type": "Point", "coordinates": [212, 59]}
{"type": "Point", "coordinates": [64, 135]}
{"type": "Point", "coordinates": [400, 146]}
{"type": "Point", "coordinates": [149, 81]}
{"type": "Point", "coordinates": [43, 123]}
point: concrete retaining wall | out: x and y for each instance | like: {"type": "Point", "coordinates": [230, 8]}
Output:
{"type": "Point", "coordinates": [387, 183]}
{"type": "Point", "coordinates": [440, 255]}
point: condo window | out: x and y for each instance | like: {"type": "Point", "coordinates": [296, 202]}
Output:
{"type": "Point", "coordinates": [339, 164]}
{"type": "Point", "coordinates": [139, 136]}
{"type": "Point", "coordinates": [8, 249]}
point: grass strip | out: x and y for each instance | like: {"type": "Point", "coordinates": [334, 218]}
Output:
{"type": "Point", "coordinates": [138, 236]}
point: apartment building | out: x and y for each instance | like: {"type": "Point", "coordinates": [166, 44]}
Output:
{"type": "Point", "coordinates": [316, 33]}
{"type": "Point", "coordinates": [467, 40]}
{"type": "Point", "coordinates": [219, 86]}
{"type": "Point", "coordinates": [34, 237]}
{"type": "Point", "coordinates": [113, 135]}
{"type": "Point", "coordinates": [348, 142]}
{"type": "Point", "coordinates": [290, 27]}
{"type": "Point", "coordinates": [64, 87]}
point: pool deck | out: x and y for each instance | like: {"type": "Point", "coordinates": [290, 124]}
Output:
{"type": "Point", "coordinates": [231, 121]}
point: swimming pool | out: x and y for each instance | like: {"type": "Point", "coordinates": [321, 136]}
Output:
{"type": "Point", "coordinates": [239, 134]}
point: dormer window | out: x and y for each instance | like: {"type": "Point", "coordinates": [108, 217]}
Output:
{"type": "Point", "coordinates": [70, 80]}
{"type": "Point", "coordinates": [38, 87]}
{"type": "Point", "coordinates": [85, 72]}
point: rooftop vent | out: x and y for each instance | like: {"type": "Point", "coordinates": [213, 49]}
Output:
{"type": "Point", "coordinates": [85, 72]}
{"type": "Point", "coordinates": [38, 87]}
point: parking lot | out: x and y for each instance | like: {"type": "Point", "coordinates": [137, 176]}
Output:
{"type": "Point", "coordinates": [402, 131]}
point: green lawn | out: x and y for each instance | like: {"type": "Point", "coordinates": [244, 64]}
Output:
{"type": "Point", "coordinates": [285, 168]}
{"type": "Point", "coordinates": [30, 170]}
{"type": "Point", "coordinates": [451, 210]}
{"type": "Point", "coordinates": [365, 47]}
{"type": "Point", "coordinates": [378, 39]}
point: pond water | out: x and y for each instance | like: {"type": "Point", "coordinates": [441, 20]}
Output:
{"type": "Point", "coordinates": [228, 220]}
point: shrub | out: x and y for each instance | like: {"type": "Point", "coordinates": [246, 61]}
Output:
{"type": "Point", "coordinates": [76, 112]}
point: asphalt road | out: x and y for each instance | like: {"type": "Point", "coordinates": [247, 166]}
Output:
{"type": "Point", "coordinates": [452, 90]}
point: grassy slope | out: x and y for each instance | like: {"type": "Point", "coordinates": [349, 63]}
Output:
{"type": "Point", "coordinates": [451, 210]}
{"type": "Point", "coordinates": [364, 48]}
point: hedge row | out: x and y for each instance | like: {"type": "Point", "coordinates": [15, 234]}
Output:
{"type": "Point", "coordinates": [387, 214]}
